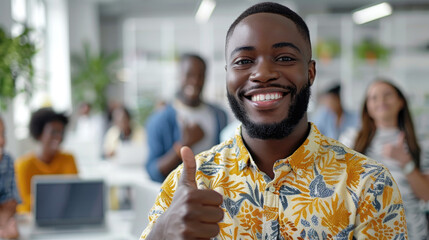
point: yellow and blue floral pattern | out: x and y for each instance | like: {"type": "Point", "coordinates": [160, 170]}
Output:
{"type": "Point", "coordinates": [324, 190]}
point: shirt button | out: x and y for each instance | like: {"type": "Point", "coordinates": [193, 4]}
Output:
{"type": "Point", "coordinates": [272, 189]}
{"type": "Point", "coordinates": [299, 172]}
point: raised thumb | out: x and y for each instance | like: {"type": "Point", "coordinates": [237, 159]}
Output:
{"type": "Point", "coordinates": [189, 167]}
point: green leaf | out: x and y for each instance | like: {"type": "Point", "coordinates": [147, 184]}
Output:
{"type": "Point", "coordinates": [91, 75]}
{"type": "Point", "coordinates": [16, 54]}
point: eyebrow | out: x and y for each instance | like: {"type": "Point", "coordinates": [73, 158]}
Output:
{"type": "Point", "coordinates": [239, 49]}
{"type": "Point", "coordinates": [276, 45]}
{"type": "Point", "coordinates": [286, 44]}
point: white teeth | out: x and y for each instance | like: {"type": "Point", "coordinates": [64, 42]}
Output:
{"type": "Point", "coordinates": [266, 97]}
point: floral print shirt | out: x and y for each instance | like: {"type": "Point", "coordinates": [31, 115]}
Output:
{"type": "Point", "coordinates": [324, 190]}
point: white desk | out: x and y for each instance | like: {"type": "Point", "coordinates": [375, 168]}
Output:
{"type": "Point", "coordinates": [118, 228]}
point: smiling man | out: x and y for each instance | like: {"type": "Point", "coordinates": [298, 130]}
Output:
{"type": "Point", "coordinates": [278, 178]}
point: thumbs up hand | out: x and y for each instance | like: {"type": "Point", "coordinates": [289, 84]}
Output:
{"type": "Point", "coordinates": [398, 151]}
{"type": "Point", "coordinates": [189, 168]}
{"type": "Point", "coordinates": [193, 213]}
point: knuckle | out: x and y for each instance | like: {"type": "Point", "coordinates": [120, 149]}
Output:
{"type": "Point", "coordinates": [220, 215]}
{"type": "Point", "coordinates": [185, 232]}
{"type": "Point", "coordinates": [215, 230]}
{"type": "Point", "coordinates": [189, 198]}
{"type": "Point", "coordinates": [188, 213]}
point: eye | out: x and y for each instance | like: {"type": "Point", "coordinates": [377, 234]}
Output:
{"type": "Point", "coordinates": [284, 59]}
{"type": "Point", "coordinates": [243, 62]}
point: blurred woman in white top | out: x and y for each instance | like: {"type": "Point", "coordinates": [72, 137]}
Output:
{"type": "Point", "coordinates": [387, 135]}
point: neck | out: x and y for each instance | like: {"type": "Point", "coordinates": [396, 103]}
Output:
{"type": "Point", "coordinates": [45, 156]}
{"type": "Point", "coordinates": [189, 102]}
{"type": "Point", "coordinates": [339, 116]}
{"type": "Point", "coordinates": [127, 131]}
{"type": "Point", "coordinates": [387, 123]}
{"type": "Point", "coordinates": [265, 152]}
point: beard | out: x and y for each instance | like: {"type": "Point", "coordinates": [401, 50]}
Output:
{"type": "Point", "coordinates": [278, 130]}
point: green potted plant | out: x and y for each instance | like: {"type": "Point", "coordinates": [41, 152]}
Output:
{"type": "Point", "coordinates": [370, 51]}
{"type": "Point", "coordinates": [326, 50]}
{"type": "Point", "coordinates": [91, 75]}
{"type": "Point", "coordinates": [16, 54]}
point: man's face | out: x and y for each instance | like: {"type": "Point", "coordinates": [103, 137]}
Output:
{"type": "Point", "coordinates": [269, 74]}
{"type": "Point", "coordinates": [192, 77]}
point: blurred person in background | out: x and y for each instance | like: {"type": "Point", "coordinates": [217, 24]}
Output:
{"type": "Point", "coordinates": [47, 127]}
{"type": "Point", "coordinates": [187, 121]}
{"type": "Point", "coordinates": [88, 126]}
{"type": "Point", "coordinates": [331, 118]}
{"type": "Point", "coordinates": [9, 197]}
{"type": "Point", "coordinates": [122, 131]}
{"type": "Point", "coordinates": [387, 135]}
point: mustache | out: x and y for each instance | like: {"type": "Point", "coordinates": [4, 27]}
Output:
{"type": "Point", "coordinates": [291, 89]}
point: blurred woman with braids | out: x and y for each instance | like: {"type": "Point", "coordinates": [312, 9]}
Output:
{"type": "Point", "coordinates": [388, 136]}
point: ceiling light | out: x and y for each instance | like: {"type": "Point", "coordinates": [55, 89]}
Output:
{"type": "Point", "coordinates": [205, 10]}
{"type": "Point", "coordinates": [371, 13]}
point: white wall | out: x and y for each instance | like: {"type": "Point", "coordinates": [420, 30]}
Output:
{"type": "Point", "coordinates": [57, 45]}
{"type": "Point", "coordinates": [83, 25]}
{"type": "Point", "coordinates": [6, 14]}
{"type": "Point", "coordinates": [70, 23]}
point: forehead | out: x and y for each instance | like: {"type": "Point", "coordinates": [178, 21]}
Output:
{"type": "Point", "coordinates": [379, 87]}
{"type": "Point", "coordinates": [54, 124]}
{"type": "Point", "coordinates": [264, 30]}
{"type": "Point", "coordinates": [191, 62]}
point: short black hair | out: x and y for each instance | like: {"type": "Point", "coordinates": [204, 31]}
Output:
{"type": "Point", "coordinates": [43, 116]}
{"type": "Point", "coordinates": [335, 90]}
{"type": "Point", "coordinates": [186, 56]}
{"type": "Point", "coordinates": [271, 7]}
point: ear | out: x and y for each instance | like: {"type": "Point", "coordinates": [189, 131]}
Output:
{"type": "Point", "coordinates": [311, 71]}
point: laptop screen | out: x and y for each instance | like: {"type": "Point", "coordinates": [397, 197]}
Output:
{"type": "Point", "coordinates": [68, 202]}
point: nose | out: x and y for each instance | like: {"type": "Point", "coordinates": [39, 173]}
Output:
{"type": "Point", "coordinates": [58, 135]}
{"type": "Point", "coordinates": [264, 71]}
{"type": "Point", "coordinates": [195, 80]}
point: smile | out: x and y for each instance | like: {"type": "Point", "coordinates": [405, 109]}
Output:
{"type": "Point", "coordinates": [266, 97]}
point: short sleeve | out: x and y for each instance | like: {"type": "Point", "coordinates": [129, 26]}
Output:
{"type": "Point", "coordinates": [381, 211]}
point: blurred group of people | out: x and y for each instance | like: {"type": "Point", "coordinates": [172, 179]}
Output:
{"type": "Point", "coordinates": [48, 127]}
{"type": "Point", "coordinates": [185, 121]}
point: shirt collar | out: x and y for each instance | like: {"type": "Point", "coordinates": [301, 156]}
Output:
{"type": "Point", "coordinates": [302, 158]}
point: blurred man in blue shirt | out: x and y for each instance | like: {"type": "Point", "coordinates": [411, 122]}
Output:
{"type": "Point", "coordinates": [187, 121]}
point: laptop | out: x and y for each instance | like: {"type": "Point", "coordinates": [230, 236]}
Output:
{"type": "Point", "coordinates": [68, 204]}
